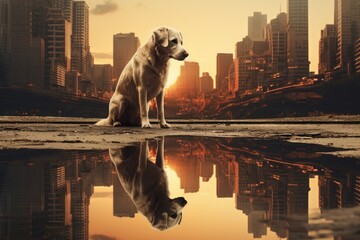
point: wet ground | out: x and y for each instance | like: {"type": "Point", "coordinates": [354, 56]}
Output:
{"type": "Point", "coordinates": [269, 179]}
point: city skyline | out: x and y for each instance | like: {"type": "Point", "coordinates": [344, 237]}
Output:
{"type": "Point", "coordinates": [49, 52]}
{"type": "Point", "coordinates": [251, 181]}
{"type": "Point", "coordinates": [204, 39]}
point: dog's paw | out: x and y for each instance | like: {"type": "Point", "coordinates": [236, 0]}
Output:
{"type": "Point", "coordinates": [165, 125]}
{"type": "Point", "coordinates": [117, 124]}
{"type": "Point", "coordinates": [146, 125]}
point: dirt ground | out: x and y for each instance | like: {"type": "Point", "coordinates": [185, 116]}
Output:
{"type": "Point", "coordinates": [80, 133]}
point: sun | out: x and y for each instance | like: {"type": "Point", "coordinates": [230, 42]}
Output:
{"type": "Point", "coordinates": [174, 72]}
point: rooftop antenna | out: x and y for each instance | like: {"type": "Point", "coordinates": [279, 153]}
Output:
{"type": "Point", "coordinates": [280, 7]}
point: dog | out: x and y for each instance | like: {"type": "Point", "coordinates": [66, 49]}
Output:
{"type": "Point", "coordinates": [146, 183]}
{"type": "Point", "coordinates": [143, 79]}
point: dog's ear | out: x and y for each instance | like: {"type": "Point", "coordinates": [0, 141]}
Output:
{"type": "Point", "coordinates": [161, 36]}
{"type": "Point", "coordinates": [180, 201]}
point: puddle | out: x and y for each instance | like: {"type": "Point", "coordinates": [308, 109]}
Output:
{"type": "Point", "coordinates": [207, 188]}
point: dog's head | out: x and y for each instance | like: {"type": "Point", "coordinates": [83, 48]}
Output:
{"type": "Point", "coordinates": [169, 215]}
{"type": "Point", "coordinates": [171, 43]}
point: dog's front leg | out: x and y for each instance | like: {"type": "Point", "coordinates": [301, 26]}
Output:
{"type": "Point", "coordinates": [161, 111]}
{"type": "Point", "coordinates": [160, 153]}
{"type": "Point", "coordinates": [144, 108]}
{"type": "Point", "coordinates": [143, 156]}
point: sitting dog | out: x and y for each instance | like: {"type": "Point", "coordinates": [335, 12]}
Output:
{"type": "Point", "coordinates": [146, 183]}
{"type": "Point", "coordinates": [143, 79]}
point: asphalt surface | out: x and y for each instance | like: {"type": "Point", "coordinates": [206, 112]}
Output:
{"type": "Point", "coordinates": [80, 133]}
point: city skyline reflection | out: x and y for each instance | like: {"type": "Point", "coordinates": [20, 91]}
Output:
{"type": "Point", "coordinates": [235, 188]}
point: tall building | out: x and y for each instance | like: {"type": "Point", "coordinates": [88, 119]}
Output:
{"type": "Point", "coordinates": [19, 38]}
{"type": "Point", "coordinates": [357, 56]}
{"type": "Point", "coordinates": [206, 170]}
{"type": "Point", "coordinates": [124, 47]}
{"type": "Point", "coordinates": [336, 10]}
{"type": "Point", "coordinates": [80, 38]}
{"type": "Point", "coordinates": [256, 223]}
{"type": "Point", "coordinates": [231, 78]}
{"type": "Point", "coordinates": [256, 26]}
{"type": "Point", "coordinates": [123, 205]}
{"type": "Point", "coordinates": [348, 31]}
{"type": "Point", "coordinates": [223, 187]}
{"type": "Point", "coordinates": [223, 63]}
{"type": "Point", "coordinates": [65, 5]}
{"type": "Point", "coordinates": [80, 200]}
{"type": "Point", "coordinates": [297, 203]}
{"type": "Point", "coordinates": [252, 65]}
{"type": "Point", "coordinates": [278, 44]}
{"type": "Point", "coordinates": [187, 83]}
{"type": "Point", "coordinates": [298, 39]}
{"type": "Point", "coordinates": [206, 83]}
{"type": "Point", "coordinates": [38, 17]}
{"type": "Point", "coordinates": [21, 54]}
{"type": "Point", "coordinates": [327, 49]}
{"type": "Point", "coordinates": [102, 76]}
{"type": "Point", "coordinates": [58, 48]}
{"type": "Point", "coordinates": [241, 65]}
{"type": "Point", "coordinates": [4, 42]}
{"type": "Point", "coordinates": [357, 190]}
{"type": "Point", "coordinates": [57, 201]}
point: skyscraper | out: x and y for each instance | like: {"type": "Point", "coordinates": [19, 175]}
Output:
{"type": "Point", "coordinates": [252, 65]}
{"type": "Point", "coordinates": [206, 83]}
{"type": "Point", "coordinates": [327, 49]}
{"type": "Point", "coordinates": [4, 42]}
{"type": "Point", "coordinates": [102, 76]}
{"type": "Point", "coordinates": [80, 38]}
{"type": "Point", "coordinates": [21, 54]}
{"type": "Point", "coordinates": [123, 205]}
{"type": "Point", "coordinates": [241, 64]}
{"type": "Point", "coordinates": [124, 47]}
{"type": "Point", "coordinates": [58, 48]}
{"type": "Point", "coordinates": [256, 26]}
{"type": "Point", "coordinates": [357, 56]}
{"type": "Point", "coordinates": [298, 39]}
{"type": "Point", "coordinates": [336, 10]}
{"type": "Point", "coordinates": [65, 5]}
{"type": "Point", "coordinates": [277, 40]}
{"type": "Point", "coordinates": [223, 63]}
{"type": "Point", "coordinates": [348, 31]}
{"type": "Point", "coordinates": [188, 82]}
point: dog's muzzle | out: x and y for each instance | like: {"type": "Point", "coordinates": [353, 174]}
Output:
{"type": "Point", "coordinates": [181, 56]}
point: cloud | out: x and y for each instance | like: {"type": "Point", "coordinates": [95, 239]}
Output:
{"type": "Point", "coordinates": [101, 237]}
{"type": "Point", "coordinates": [141, 5]}
{"type": "Point", "coordinates": [107, 7]}
{"type": "Point", "coordinates": [102, 55]}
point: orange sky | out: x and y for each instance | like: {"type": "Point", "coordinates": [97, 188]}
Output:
{"type": "Point", "coordinates": [208, 27]}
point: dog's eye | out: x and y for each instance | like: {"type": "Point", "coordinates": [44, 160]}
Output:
{"type": "Point", "coordinates": [174, 215]}
{"type": "Point", "coordinates": [174, 41]}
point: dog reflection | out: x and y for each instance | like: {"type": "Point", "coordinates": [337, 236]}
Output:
{"type": "Point", "coordinates": [146, 183]}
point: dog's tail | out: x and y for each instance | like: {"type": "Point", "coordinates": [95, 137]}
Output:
{"type": "Point", "coordinates": [104, 122]}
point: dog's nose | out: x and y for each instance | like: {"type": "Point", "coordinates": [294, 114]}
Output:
{"type": "Point", "coordinates": [182, 200]}
{"type": "Point", "coordinates": [186, 54]}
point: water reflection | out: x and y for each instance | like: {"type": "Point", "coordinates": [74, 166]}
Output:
{"type": "Point", "coordinates": [46, 194]}
{"type": "Point", "coordinates": [147, 185]}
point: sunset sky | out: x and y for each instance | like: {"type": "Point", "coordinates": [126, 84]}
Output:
{"type": "Point", "coordinates": [208, 27]}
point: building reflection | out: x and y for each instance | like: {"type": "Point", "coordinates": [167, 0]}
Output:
{"type": "Point", "coordinates": [123, 206]}
{"type": "Point", "coordinates": [46, 194]}
{"type": "Point", "coordinates": [269, 184]}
